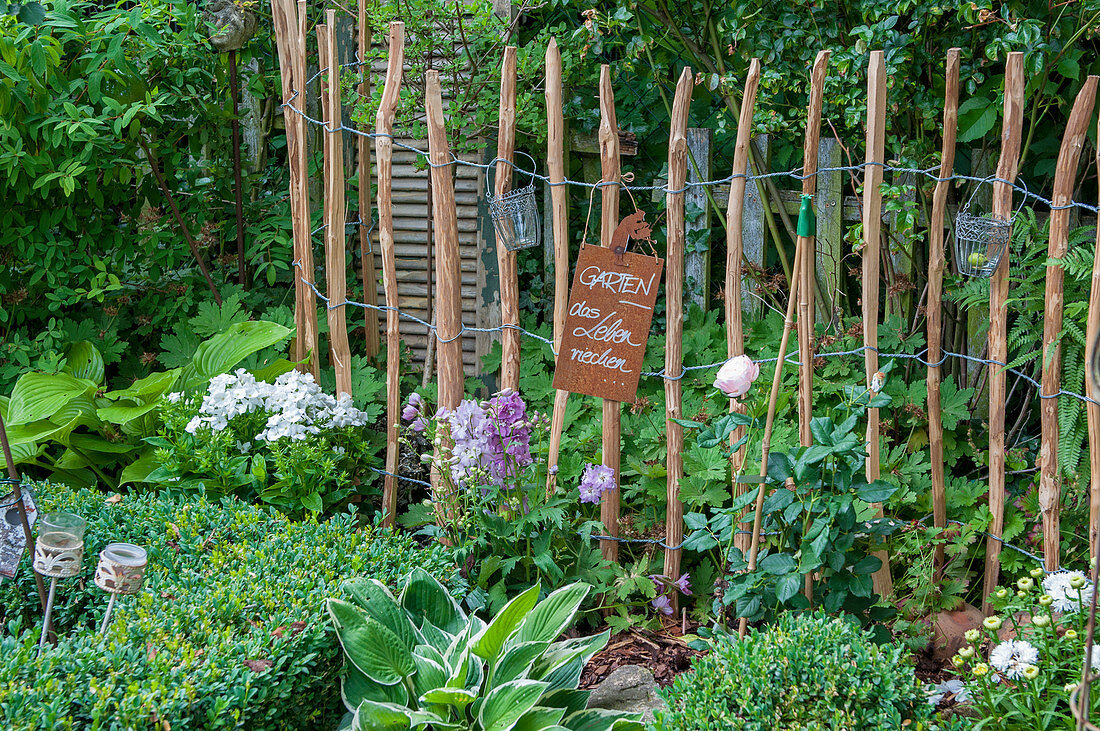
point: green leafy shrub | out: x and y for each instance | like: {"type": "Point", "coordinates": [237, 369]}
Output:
{"type": "Point", "coordinates": [229, 631]}
{"type": "Point", "coordinates": [416, 660]}
{"type": "Point", "coordinates": [807, 671]}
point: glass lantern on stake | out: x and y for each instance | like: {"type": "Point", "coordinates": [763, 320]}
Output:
{"type": "Point", "coordinates": [516, 216]}
{"type": "Point", "coordinates": [58, 554]}
{"type": "Point", "coordinates": [121, 570]}
{"type": "Point", "coordinates": [981, 239]}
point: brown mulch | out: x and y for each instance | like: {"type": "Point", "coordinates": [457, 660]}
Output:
{"type": "Point", "coordinates": [664, 653]}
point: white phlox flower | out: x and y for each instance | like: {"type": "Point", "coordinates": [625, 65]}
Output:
{"type": "Point", "coordinates": [296, 406]}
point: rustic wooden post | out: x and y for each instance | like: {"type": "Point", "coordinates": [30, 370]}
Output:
{"type": "Point", "coordinates": [1092, 410]}
{"type": "Point", "coordinates": [697, 264]}
{"type": "Point", "coordinates": [735, 210]}
{"type": "Point", "coordinates": [506, 260]}
{"type": "Point", "coordinates": [998, 336]}
{"type": "Point", "coordinates": [609, 220]}
{"type": "Point", "coordinates": [830, 224]}
{"type": "Point", "coordinates": [555, 162]}
{"type": "Point", "coordinates": [872, 222]}
{"type": "Point", "coordinates": [383, 146]}
{"type": "Point", "coordinates": [362, 147]}
{"type": "Point", "coordinates": [935, 298]}
{"type": "Point", "coordinates": [1065, 176]}
{"type": "Point", "coordinates": [290, 21]}
{"type": "Point", "coordinates": [674, 340]}
{"type": "Point", "coordinates": [335, 208]}
{"type": "Point", "coordinates": [448, 292]}
{"type": "Point", "coordinates": [753, 227]}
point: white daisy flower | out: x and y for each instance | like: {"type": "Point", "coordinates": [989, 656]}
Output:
{"type": "Point", "coordinates": [1064, 595]}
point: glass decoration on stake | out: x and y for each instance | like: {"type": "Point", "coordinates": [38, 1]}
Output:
{"type": "Point", "coordinates": [58, 552]}
{"type": "Point", "coordinates": [516, 216]}
{"type": "Point", "coordinates": [981, 240]}
{"type": "Point", "coordinates": [121, 570]}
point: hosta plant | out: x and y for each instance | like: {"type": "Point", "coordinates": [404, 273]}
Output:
{"type": "Point", "coordinates": [417, 661]}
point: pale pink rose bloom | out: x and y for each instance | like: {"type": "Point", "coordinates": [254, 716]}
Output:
{"type": "Point", "coordinates": [736, 376]}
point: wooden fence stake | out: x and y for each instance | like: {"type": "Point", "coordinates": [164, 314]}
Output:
{"type": "Point", "coordinates": [674, 340]}
{"type": "Point", "coordinates": [506, 260]}
{"type": "Point", "coordinates": [609, 219]}
{"type": "Point", "coordinates": [872, 223]}
{"type": "Point", "coordinates": [448, 285]}
{"type": "Point", "coordinates": [290, 38]}
{"type": "Point", "coordinates": [735, 332]}
{"type": "Point", "coordinates": [805, 266]}
{"type": "Point", "coordinates": [383, 146]}
{"type": "Point", "coordinates": [366, 252]}
{"type": "Point", "coordinates": [1065, 176]}
{"type": "Point", "coordinates": [555, 163]}
{"type": "Point", "coordinates": [934, 307]}
{"type": "Point", "coordinates": [998, 336]}
{"type": "Point", "coordinates": [335, 207]}
{"type": "Point", "coordinates": [1092, 410]}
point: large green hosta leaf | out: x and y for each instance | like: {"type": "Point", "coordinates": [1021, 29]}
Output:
{"type": "Point", "coordinates": [489, 642]}
{"type": "Point", "coordinates": [226, 349]}
{"type": "Point", "coordinates": [377, 601]}
{"type": "Point", "coordinates": [83, 360]}
{"type": "Point", "coordinates": [427, 600]}
{"type": "Point", "coordinates": [357, 688]}
{"type": "Point", "coordinates": [505, 704]}
{"type": "Point", "coordinates": [40, 395]}
{"type": "Point", "coordinates": [553, 614]}
{"type": "Point", "coordinates": [375, 650]}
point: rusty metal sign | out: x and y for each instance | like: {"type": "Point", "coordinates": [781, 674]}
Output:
{"type": "Point", "coordinates": [607, 325]}
{"type": "Point", "coordinates": [12, 538]}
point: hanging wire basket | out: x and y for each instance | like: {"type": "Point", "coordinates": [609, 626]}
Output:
{"type": "Point", "coordinates": [516, 216]}
{"type": "Point", "coordinates": [981, 239]}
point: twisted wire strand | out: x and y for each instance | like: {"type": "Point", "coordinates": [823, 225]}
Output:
{"type": "Point", "coordinates": [931, 173]}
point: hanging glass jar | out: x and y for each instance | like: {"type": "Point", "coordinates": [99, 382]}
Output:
{"type": "Point", "coordinates": [516, 216]}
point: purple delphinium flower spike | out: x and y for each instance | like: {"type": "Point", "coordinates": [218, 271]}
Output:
{"type": "Point", "coordinates": [683, 584]}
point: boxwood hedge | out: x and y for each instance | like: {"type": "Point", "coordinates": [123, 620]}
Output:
{"type": "Point", "coordinates": [229, 632]}
{"type": "Point", "coordinates": [806, 672]}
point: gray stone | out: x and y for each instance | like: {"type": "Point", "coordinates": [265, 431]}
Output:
{"type": "Point", "coordinates": [630, 688]}
{"type": "Point", "coordinates": [233, 24]}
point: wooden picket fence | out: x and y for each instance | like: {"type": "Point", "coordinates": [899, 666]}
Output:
{"type": "Point", "coordinates": [290, 26]}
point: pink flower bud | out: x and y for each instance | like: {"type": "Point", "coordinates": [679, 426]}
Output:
{"type": "Point", "coordinates": [736, 376]}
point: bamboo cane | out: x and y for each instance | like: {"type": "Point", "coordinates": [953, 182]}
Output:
{"type": "Point", "coordinates": [506, 260]}
{"type": "Point", "coordinates": [555, 162]}
{"type": "Point", "coordinates": [674, 339]}
{"type": "Point", "coordinates": [1065, 176]}
{"type": "Point", "coordinates": [806, 246]}
{"type": "Point", "coordinates": [735, 334]}
{"type": "Point", "coordinates": [769, 422]}
{"type": "Point", "coordinates": [998, 337]}
{"type": "Point", "coordinates": [609, 219]}
{"type": "Point", "coordinates": [383, 146]}
{"type": "Point", "coordinates": [872, 223]}
{"type": "Point", "coordinates": [935, 298]}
